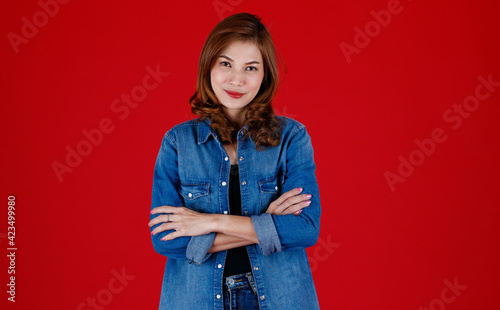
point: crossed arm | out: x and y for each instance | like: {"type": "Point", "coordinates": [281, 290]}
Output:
{"type": "Point", "coordinates": [180, 233]}
{"type": "Point", "coordinates": [231, 230]}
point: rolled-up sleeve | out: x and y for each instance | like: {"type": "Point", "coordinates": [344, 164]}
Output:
{"type": "Point", "coordinates": [266, 233]}
{"type": "Point", "coordinates": [165, 185]}
{"type": "Point", "coordinates": [287, 232]}
{"type": "Point", "coordinates": [198, 247]}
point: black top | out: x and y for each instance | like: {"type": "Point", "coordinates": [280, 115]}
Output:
{"type": "Point", "coordinates": [237, 261]}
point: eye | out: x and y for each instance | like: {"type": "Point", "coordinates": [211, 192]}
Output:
{"type": "Point", "coordinates": [251, 68]}
{"type": "Point", "coordinates": [225, 64]}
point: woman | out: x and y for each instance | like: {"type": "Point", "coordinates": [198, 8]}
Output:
{"type": "Point", "coordinates": [235, 198]}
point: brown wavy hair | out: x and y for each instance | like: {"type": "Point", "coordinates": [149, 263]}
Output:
{"type": "Point", "coordinates": [262, 124]}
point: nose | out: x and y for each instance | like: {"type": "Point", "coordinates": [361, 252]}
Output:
{"type": "Point", "coordinates": [236, 78]}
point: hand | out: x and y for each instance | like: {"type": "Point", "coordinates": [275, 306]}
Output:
{"type": "Point", "coordinates": [184, 221]}
{"type": "Point", "coordinates": [290, 203]}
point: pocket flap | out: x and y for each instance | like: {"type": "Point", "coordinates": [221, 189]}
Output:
{"type": "Point", "coordinates": [193, 191]}
{"type": "Point", "coordinates": [273, 183]}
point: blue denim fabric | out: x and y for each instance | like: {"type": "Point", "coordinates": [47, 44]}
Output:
{"type": "Point", "coordinates": [240, 292]}
{"type": "Point", "coordinates": [192, 170]}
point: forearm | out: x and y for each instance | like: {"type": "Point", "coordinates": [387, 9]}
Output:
{"type": "Point", "coordinates": [235, 226]}
{"type": "Point", "coordinates": [225, 242]}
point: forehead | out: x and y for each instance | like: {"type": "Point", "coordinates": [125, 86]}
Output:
{"type": "Point", "coordinates": [242, 51]}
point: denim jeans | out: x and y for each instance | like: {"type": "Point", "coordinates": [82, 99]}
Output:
{"type": "Point", "coordinates": [240, 292]}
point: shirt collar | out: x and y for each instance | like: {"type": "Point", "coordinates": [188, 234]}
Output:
{"type": "Point", "coordinates": [204, 131]}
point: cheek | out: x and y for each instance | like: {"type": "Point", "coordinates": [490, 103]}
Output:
{"type": "Point", "coordinates": [217, 77]}
{"type": "Point", "coordinates": [256, 82]}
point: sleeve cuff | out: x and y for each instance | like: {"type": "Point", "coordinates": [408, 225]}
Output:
{"type": "Point", "coordinates": [198, 246]}
{"type": "Point", "coordinates": [265, 229]}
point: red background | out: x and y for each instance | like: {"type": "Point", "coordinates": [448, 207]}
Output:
{"type": "Point", "coordinates": [389, 249]}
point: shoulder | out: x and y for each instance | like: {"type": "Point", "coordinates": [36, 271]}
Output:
{"type": "Point", "coordinates": [290, 126]}
{"type": "Point", "coordinates": [184, 129]}
{"type": "Point", "coordinates": [294, 134]}
{"type": "Point", "coordinates": [185, 125]}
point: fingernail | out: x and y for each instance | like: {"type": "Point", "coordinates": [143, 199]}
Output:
{"type": "Point", "coordinates": [152, 233]}
{"type": "Point", "coordinates": [308, 202]}
{"type": "Point", "coordinates": [163, 239]}
{"type": "Point", "coordinates": [151, 212]}
{"type": "Point", "coordinates": [299, 189]}
{"type": "Point", "coordinates": [308, 196]}
{"type": "Point", "coordinates": [298, 212]}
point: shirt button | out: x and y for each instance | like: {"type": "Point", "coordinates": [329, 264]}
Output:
{"type": "Point", "coordinates": [218, 296]}
{"type": "Point", "coordinates": [224, 183]}
{"type": "Point", "coordinates": [262, 297]}
{"type": "Point", "coordinates": [219, 266]}
{"type": "Point", "coordinates": [245, 212]}
{"type": "Point", "coordinates": [244, 183]}
{"type": "Point", "coordinates": [190, 195]}
{"type": "Point", "coordinates": [225, 212]}
{"type": "Point", "coordinates": [241, 158]}
{"type": "Point", "coordinates": [255, 268]}
{"type": "Point", "coordinates": [226, 158]}
{"type": "Point", "coordinates": [276, 187]}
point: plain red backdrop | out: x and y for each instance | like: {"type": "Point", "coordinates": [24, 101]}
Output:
{"type": "Point", "coordinates": [380, 247]}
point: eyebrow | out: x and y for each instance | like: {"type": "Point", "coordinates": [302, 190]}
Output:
{"type": "Point", "coordinates": [248, 63]}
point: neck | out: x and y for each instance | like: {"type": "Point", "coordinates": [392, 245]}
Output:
{"type": "Point", "coordinates": [236, 117]}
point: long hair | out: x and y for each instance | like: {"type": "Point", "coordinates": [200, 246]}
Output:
{"type": "Point", "coordinates": [262, 124]}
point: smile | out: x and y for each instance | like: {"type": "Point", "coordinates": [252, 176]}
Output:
{"type": "Point", "coordinates": [234, 94]}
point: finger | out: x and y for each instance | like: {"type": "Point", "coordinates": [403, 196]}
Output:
{"type": "Point", "coordinates": [295, 207]}
{"type": "Point", "coordinates": [164, 209]}
{"type": "Point", "coordinates": [297, 199]}
{"type": "Point", "coordinates": [277, 205]}
{"type": "Point", "coordinates": [163, 227]}
{"type": "Point", "coordinates": [289, 194]}
{"type": "Point", "coordinates": [160, 218]}
{"type": "Point", "coordinates": [171, 236]}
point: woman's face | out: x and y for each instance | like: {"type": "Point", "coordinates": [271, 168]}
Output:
{"type": "Point", "coordinates": [237, 75]}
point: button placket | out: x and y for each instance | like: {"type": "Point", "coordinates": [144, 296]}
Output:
{"type": "Point", "coordinates": [243, 179]}
{"type": "Point", "coordinates": [225, 189]}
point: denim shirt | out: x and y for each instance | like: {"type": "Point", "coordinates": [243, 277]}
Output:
{"type": "Point", "coordinates": [192, 170]}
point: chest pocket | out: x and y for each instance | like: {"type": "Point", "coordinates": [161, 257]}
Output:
{"type": "Point", "coordinates": [196, 196]}
{"type": "Point", "coordinates": [270, 190]}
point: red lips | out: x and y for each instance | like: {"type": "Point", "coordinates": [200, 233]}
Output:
{"type": "Point", "coordinates": [233, 94]}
